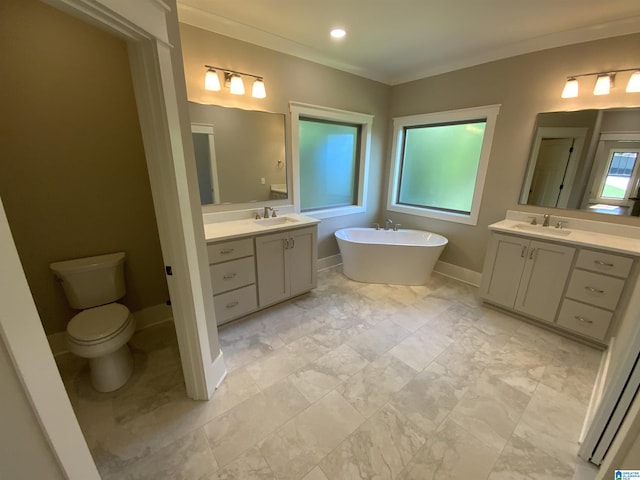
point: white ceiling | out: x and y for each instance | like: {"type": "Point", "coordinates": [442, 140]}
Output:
{"type": "Point", "coordinates": [395, 41]}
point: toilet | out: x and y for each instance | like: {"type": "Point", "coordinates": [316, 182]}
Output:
{"type": "Point", "coordinates": [100, 332]}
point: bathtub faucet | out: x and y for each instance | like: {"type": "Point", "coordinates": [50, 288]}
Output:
{"type": "Point", "coordinates": [388, 223]}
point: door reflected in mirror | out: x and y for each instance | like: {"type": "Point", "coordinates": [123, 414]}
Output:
{"type": "Point", "coordinates": [240, 154]}
{"type": "Point", "coordinates": [585, 160]}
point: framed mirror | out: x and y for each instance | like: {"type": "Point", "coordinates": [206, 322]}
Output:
{"type": "Point", "coordinates": [240, 154]}
{"type": "Point", "coordinates": [585, 160]}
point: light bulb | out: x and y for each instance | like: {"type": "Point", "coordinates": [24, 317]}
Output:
{"type": "Point", "coordinates": [258, 90]}
{"type": "Point", "coordinates": [603, 85]}
{"type": "Point", "coordinates": [211, 81]}
{"type": "Point", "coordinates": [634, 83]}
{"type": "Point", "coordinates": [237, 87]}
{"type": "Point", "coordinates": [570, 89]}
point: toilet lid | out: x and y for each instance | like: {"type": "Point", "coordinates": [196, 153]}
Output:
{"type": "Point", "coordinates": [98, 322]}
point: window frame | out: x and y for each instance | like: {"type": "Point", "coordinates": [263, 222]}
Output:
{"type": "Point", "coordinates": [633, 179]}
{"type": "Point", "coordinates": [315, 112]}
{"type": "Point", "coordinates": [488, 113]}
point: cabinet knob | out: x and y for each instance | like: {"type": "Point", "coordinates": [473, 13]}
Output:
{"type": "Point", "coordinates": [603, 264]}
{"type": "Point", "coordinates": [583, 320]}
{"type": "Point", "coordinates": [593, 290]}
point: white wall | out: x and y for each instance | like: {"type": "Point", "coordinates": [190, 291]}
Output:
{"type": "Point", "coordinates": [24, 451]}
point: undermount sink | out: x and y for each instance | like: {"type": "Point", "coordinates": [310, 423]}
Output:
{"type": "Point", "coordinates": [560, 232]}
{"type": "Point", "coordinates": [275, 221]}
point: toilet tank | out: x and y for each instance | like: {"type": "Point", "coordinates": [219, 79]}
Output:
{"type": "Point", "coordinates": [92, 281]}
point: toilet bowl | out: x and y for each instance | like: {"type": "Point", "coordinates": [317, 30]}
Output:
{"type": "Point", "coordinates": [100, 332]}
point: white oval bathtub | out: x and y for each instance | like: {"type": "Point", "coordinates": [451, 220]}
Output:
{"type": "Point", "coordinates": [404, 257]}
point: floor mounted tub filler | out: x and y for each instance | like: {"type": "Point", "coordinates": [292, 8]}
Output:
{"type": "Point", "coordinates": [402, 257]}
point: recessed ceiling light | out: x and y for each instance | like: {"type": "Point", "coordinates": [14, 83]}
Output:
{"type": "Point", "coordinates": [338, 33]}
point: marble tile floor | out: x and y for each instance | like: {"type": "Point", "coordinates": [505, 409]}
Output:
{"type": "Point", "coordinates": [351, 381]}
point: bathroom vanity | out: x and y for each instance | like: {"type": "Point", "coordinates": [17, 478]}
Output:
{"type": "Point", "coordinates": [576, 279]}
{"type": "Point", "coordinates": [255, 263]}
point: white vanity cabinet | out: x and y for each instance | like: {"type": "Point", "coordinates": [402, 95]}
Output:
{"type": "Point", "coordinates": [233, 278]}
{"type": "Point", "coordinates": [594, 292]}
{"type": "Point", "coordinates": [286, 264]}
{"type": "Point", "coordinates": [572, 287]}
{"type": "Point", "coordinates": [525, 275]}
{"type": "Point", "coordinates": [258, 270]}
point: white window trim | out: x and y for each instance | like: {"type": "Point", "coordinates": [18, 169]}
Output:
{"type": "Point", "coordinates": [633, 180]}
{"type": "Point", "coordinates": [332, 114]}
{"type": "Point", "coordinates": [490, 112]}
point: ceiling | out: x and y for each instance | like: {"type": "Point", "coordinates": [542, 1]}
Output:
{"type": "Point", "coordinates": [395, 41]}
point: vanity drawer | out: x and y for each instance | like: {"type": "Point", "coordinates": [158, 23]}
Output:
{"type": "Point", "coordinates": [230, 275]}
{"type": "Point", "coordinates": [235, 303]}
{"type": "Point", "coordinates": [584, 319]}
{"type": "Point", "coordinates": [604, 263]}
{"type": "Point", "coordinates": [224, 251]}
{"type": "Point", "coordinates": [596, 289]}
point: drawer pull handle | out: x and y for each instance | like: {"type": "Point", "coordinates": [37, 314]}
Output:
{"type": "Point", "coordinates": [524, 252]}
{"type": "Point", "coordinates": [293, 242]}
{"type": "Point", "coordinates": [531, 253]}
{"type": "Point", "coordinates": [232, 304]}
{"type": "Point", "coordinates": [593, 290]}
{"type": "Point", "coordinates": [229, 276]}
{"type": "Point", "coordinates": [603, 264]}
{"type": "Point", "coordinates": [583, 320]}
{"type": "Point", "coordinates": [226, 251]}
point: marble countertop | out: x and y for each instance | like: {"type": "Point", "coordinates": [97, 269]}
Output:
{"type": "Point", "coordinates": [214, 232]}
{"type": "Point", "coordinates": [572, 236]}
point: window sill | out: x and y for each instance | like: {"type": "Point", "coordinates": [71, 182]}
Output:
{"type": "Point", "coordinates": [334, 212]}
{"type": "Point", "coordinates": [470, 219]}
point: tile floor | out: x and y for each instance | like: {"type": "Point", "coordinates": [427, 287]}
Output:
{"type": "Point", "coordinates": [351, 381]}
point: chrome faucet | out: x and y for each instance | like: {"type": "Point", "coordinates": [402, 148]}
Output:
{"type": "Point", "coordinates": [266, 211]}
{"type": "Point", "coordinates": [547, 217]}
{"type": "Point", "coordinates": [388, 223]}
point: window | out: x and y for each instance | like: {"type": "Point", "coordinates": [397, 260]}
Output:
{"type": "Point", "coordinates": [330, 152]}
{"type": "Point", "coordinates": [622, 167]}
{"type": "Point", "coordinates": [439, 162]}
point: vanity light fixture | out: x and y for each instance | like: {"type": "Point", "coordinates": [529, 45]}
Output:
{"type": "Point", "coordinates": [604, 82]}
{"type": "Point", "coordinates": [233, 81]}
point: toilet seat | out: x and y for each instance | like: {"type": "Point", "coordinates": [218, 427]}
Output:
{"type": "Point", "coordinates": [99, 324]}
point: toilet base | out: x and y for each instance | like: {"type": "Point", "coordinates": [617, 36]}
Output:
{"type": "Point", "coordinates": [110, 372]}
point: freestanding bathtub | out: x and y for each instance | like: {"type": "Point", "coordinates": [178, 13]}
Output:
{"type": "Point", "coordinates": [404, 257]}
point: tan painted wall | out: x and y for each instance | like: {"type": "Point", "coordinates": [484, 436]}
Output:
{"type": "Point", "coordinates": [287, 79]}
{"type": "Point", "coordinates": [525, 85]}
{"type": "Point", "coordinates": [73, 176]}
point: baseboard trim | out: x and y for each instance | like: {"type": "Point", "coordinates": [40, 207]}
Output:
{"type": "Point", "coordinates": [458, 273]}
{"type": "Point", "coordinates": [219, 370]}
{"type": "Point", "coordinates": [145, 318]}
{"type": "Point", "coordinates": [153, 315]}
{"type": "Point", "coordinates": [328, 262]}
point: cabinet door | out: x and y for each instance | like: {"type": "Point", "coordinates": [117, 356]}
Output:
{"type": "Point", "coordinates": [302, 255]}
{"type": "Point", "coordinates": [506, 256]}
{"type": "Point", "coordinates": [543, 280]}
{"type": "Point", "coordinates": [272, 267]}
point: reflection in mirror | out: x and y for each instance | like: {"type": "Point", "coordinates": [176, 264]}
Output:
{"type": "Point", "coordinates": [585, 160]}
{"type": "Point", "coordinates": [240, 154]}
